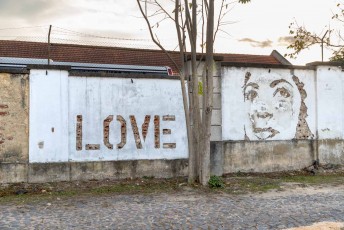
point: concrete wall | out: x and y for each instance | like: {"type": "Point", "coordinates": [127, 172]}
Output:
{"type": "Point", "coordinates": [108, 126]}
{"type": "Point", "coordinates": [151, 147]}
{"type": "Point", "coordinates": [48, 116]}
{"type": "Point", "coordinates": [281, 119]}
{"type": "Point", "coordinates": [267, 104]}
{"type": "Point", "coordinates": [330, 102]}
{"type": "Point", "coordinates": [77, 118]}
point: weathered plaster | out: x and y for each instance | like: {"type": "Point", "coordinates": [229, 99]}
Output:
{"type": "Point", "coordinates": [73, 118]}
{"type": "Point", "coordinates": [14, 118]}
{"type": "Point", "coordinates": [267, 156]}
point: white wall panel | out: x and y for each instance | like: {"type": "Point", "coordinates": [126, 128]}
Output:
{"type": "Point", "coordinates": [330, 102]}
{"type": "Point", "coordinates": [97, 98]}
{"type": "Point", "coordinates": [267, 104]}
{"type": "Point", "coordinates": [48, 116]}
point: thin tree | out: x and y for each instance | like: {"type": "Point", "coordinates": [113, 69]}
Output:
{"type": "Point", "coordinates": [188, 17]}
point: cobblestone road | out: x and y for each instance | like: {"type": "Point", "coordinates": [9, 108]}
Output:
{"type": "Point", "coordinates": [183, 210]}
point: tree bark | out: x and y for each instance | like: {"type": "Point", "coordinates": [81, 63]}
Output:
{"type": "Point", "coordinates": [208, 96]}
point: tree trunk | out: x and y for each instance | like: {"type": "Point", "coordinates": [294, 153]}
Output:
{"type": "Point", "coordinates": [208, 98]}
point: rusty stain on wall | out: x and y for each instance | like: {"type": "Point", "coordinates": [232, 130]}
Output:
{"type": "Point", "coordinates": [14, 117]}
{"type": "Point", "coordinates": [302, 128]}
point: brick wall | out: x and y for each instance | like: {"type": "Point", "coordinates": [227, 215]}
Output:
{"type": "Point", "coordinates": [14, 118]}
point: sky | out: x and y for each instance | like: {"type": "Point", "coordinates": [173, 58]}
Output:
{"type": "Point", "coordinates": [255, 28]}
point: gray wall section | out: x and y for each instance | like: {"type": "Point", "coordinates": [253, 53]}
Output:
{"type": "Point", "coordinates": [261, 156]}
{"type": "Point", "coordinates": [71, 171]}
{"type": "Point", "coordinates": [216, 121]}
{"type": "Point", "coordinates": [331, 151]}
{"type": "Point", "coordinates": [267, 156]}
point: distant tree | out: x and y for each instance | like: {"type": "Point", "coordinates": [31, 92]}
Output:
{"type": "Point", "coordinates": [192, 19]}
{"type": "Point", "coordinates": [331, 38]}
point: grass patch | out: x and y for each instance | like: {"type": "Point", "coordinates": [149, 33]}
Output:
{"type": "Point", "coordinates": [317, 179]}
{"type": "Point", "coordinates": [242, 183]}
{"type": "Point", "coordinates": [145, 188]}
{"type": "Point", "coordinates": [61, 190]}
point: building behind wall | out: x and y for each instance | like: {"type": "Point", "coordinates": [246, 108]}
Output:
{"type": "Point", "coordinates": [101, 120]}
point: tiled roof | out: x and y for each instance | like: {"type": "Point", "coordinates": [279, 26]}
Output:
{"type": "Point", "coordinates": [256, 59]}
{"type": "Point", "coordinates": [111, 55]}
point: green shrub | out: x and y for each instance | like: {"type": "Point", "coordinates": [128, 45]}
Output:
{"type": "Point", "coordinates": [216, 182]}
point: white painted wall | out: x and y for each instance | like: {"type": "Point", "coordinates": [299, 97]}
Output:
{"type": "Point", "coordinates": [48, 139]}
{"type": "Point", "coordinates": [56, 100]}
{"type": "Point", "coordinates": [96, 98]}
{"type": "Point", "coordinates": [261, 111]}
{"type": "Point", "coordinates": [330, 102]}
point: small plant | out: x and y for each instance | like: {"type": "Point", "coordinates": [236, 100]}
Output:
{"type": "Point", "coordinates": [216, 182]}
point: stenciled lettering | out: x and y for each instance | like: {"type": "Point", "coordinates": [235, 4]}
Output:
{"type": "Point", "coordinates": [79, 132]}
{"type": "Point", "coordinates": [123, 132]}
{"type": "Point", "coordinates": [168, 132]}
{"type": "Point", "coordinates": [106, 131]}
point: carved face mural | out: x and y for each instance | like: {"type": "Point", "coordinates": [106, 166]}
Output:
{"type": "Point", "coordinates": [275, 107]}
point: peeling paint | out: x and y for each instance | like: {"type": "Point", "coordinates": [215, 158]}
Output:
{"type": "Point", "coordinates": [145, 126]}
{"type": "Point", "coordinates": [106, 131]}
{"type": "Point", "coordinates": [92, 146]}
{"type": "Point", "coordinates": [269, 99]}
{"type": "Point", "coordinates": [136, 132]}
{"type": "Point", "coordinates": [14, 118]}
{"type": "Point", "coordinates": [302, 129]}
{"type": "Point", "coordinates": [156, 131]}
{"type": "Point", "coordinates": [105, 119]}
{"type": "Point", "coordinates": [123, 132]}
{"type": "Point", "coordinates": [79, 132]}
{"type": "Point", "coordinates": [169, 145]}
{"type": "Point", "coordinates": [273, 103]}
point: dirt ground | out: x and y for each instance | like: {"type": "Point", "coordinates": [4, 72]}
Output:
{"type": "Point", "coordinates": [321, 226]}
{"type": "Point", "coordinates": [280, 200]}
{"type": "Point", "coordinates": [235, 183]}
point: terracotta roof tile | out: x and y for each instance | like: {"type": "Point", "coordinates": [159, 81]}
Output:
{"type": "Point", "coordinates": [111, 55]}
{"type": "Point", "coordinates": [256, 59]}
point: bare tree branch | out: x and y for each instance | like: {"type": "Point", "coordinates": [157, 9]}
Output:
{"type": "Point", "coordinates": [153, 38]}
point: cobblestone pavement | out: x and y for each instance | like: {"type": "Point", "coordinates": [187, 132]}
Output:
{"type": "Point", "coordinates": [183, 210]}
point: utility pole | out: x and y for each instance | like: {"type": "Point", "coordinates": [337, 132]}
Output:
{"type": "Point", "coordinates": [322, 46]}
{"type": "Point", "coordinates": [48, 48]}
